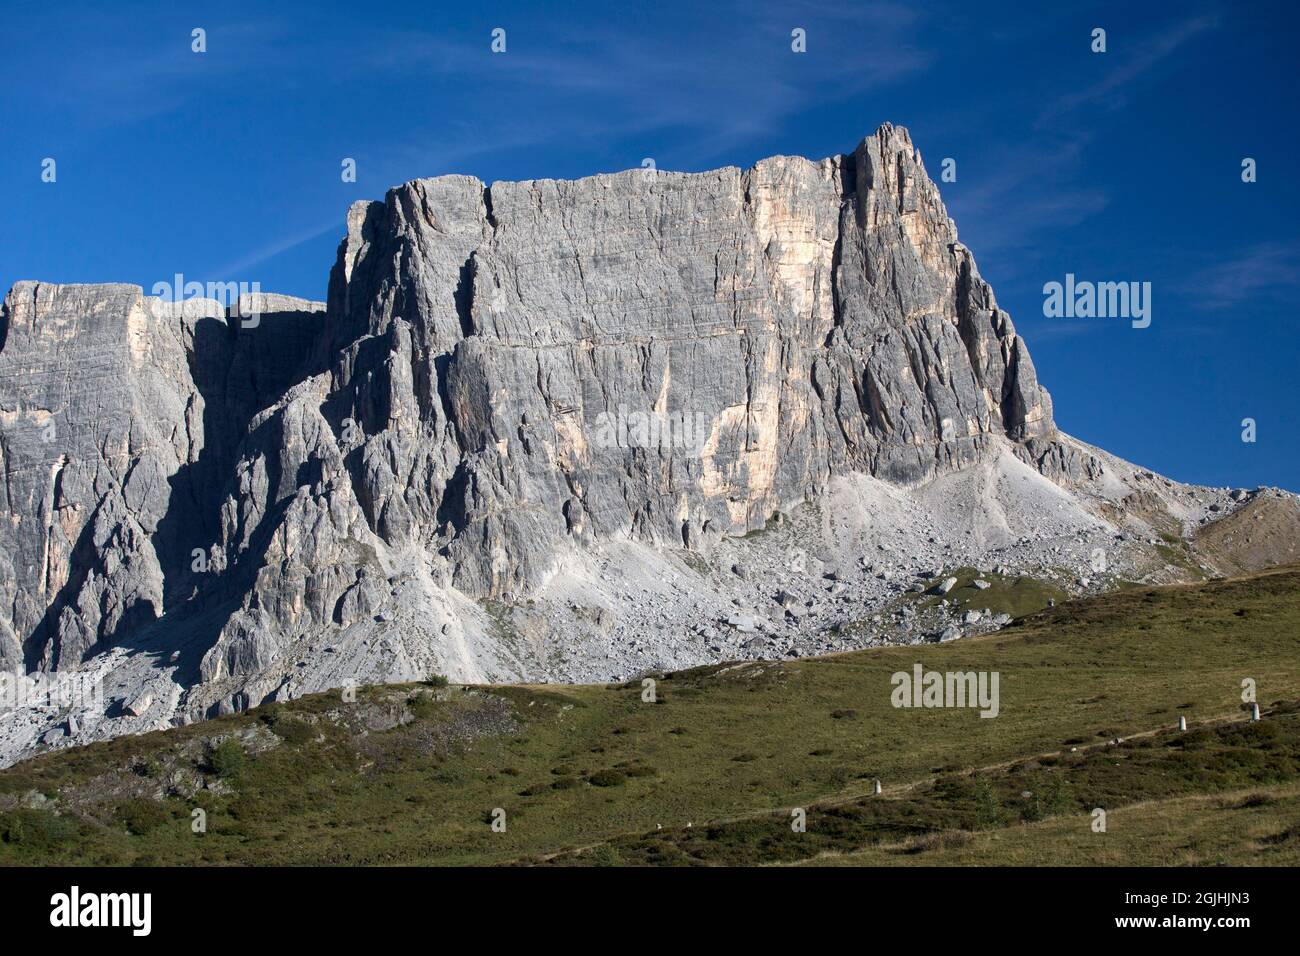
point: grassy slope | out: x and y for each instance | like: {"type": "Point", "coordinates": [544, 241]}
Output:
{"type": "Point", "coordinates": [594, 766]}
{"type": "Point", "coordinates": [1260, 826]}
{"type": "Point", "coordinates": [982, 816]}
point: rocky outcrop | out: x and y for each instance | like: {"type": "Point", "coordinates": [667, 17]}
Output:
{"type": "Point", "coordinates": [502, 374]}
{"type": "Point", "coordinates": [671, 357]}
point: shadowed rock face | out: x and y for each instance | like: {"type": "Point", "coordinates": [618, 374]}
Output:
{"type": "Point", "coordinates": [123, 418]}
{"type": "Point", "coordinates": [500, 372]}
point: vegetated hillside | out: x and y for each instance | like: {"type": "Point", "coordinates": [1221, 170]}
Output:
{"type": "Point", "coordinates": [411, 774]}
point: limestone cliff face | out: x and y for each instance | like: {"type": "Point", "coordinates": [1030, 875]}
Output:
{"type": "Point", "coordinates": [499, 372]}
{"type": "Point", "coordinates": [93, 424]}
{"type": "Point", "coordinates": [815, 317]}
{"type": "Point", "coordinates": [121, 417]}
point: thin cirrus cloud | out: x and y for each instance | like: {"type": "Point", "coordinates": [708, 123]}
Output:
{"type": "Point", "coordinates": [724, 94]}
{"type": "Point", "coordinates": [137, 77]}
{"type": "Point", "coordinates": [701, 100]}
{"type": "Point", "coordinates": [1029, 191]}
{"type": "Point", "coordinates": [1111, 91]}
{"type": "Point", "coordinates": [1035, 189]}
{"type": "Point", "coordinates": [266, 253]}
{"type": "Point", "coordinates": [1266, 274]}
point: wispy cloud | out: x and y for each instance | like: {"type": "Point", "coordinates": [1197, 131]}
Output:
{"type": "Point", "coordinates": [1034, 186]}
{"type": "Point", "coordinates": [1144, 58]}
{"type": "Point", "coordinates": [126, 80]}
{"type": "Point", "coordinates": [265, 253]}
{"type": "Point", "coordinates": [722, 94]}
{"type": "Point", "coordinates": [1268, 273]}
{"type": "Point", "coordinates": [680, 97]}
{"type": "Point", "coordinates": [1028, 190]}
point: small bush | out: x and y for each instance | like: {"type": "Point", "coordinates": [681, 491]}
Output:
{"type": "Point", "coordinates": [293, 731]}
{"type": "Point", "coordinates": [226, 759]}
{"type": "Point", "coordinates": [988, 808]}
{"type": "Point", "coordinates": [435, 680]}
{"type": "Point", "coordinates": [1058, 797]}
{"type": "Point", "coordinates": [422, 706]}
{"type": "Point", "coordinates": [1034, 811]}
{"type": "Point", "coordinates": [603, 855]}
{"type": "Point", "coordinates": [37, 829]}
{"type": "Point", "coordinates": [607, 778]}
{"type": "Point", "coordinates": [140, 815]}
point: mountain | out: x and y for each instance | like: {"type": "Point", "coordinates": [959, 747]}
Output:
{"type": "Point", "coordinates": [555, 431]}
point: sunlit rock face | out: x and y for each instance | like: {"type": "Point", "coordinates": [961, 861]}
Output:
{"type": "Point", "coordinates": [662, 355]}
{"type": "Point", "coordinates": [500, 373]}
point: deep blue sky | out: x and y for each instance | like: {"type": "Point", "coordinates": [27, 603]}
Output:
{"type": "Point", "coordinates": [1117, 166]}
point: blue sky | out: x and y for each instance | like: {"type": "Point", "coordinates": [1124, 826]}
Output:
{"type": "Point", "coordinates": [1117, 166]}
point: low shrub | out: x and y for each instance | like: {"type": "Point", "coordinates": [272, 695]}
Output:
{"type": "Point", "coordinates": [607, 778]}
{"type": "Point", "coordinates": [226, 759]}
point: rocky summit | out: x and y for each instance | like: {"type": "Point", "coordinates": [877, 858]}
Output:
{"type": "Point", "coordinates": [554, 430]}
